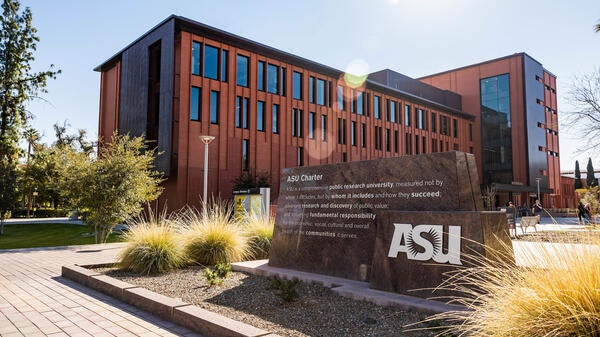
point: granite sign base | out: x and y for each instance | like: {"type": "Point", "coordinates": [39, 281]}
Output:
{"type": "Point", "coordinates": [414, 251]}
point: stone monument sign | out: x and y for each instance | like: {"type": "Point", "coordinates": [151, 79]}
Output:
{"type": "Point", "coordinates": [328, 216]}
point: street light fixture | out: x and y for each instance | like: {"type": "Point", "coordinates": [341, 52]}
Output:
{"type": "Point", "coordinates": [206, 140]}
{"type": "Point", "coordinates": [538, 188]}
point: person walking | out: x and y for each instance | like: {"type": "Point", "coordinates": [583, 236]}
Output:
{"type": "Point", "coordinates": [581, 213]}
{"type": "Point", "coordinates": [511, 216]}
{"type": "Point", "coordinates": [537, 210]}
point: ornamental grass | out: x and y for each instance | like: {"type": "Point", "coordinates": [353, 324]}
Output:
{"type": "Point", "coordinates": [213, 236]}
{"type": "Point", "coordinates": [153, 246]}
{"type": "Point", "coordinates": [553, 291]}
{"type": "Point", "coordinates": [259, 230]}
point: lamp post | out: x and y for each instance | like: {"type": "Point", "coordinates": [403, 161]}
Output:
{"type": "Point", "coordinates": [206, 140]}
{"type": "Point", "coordinates": [538, 188]}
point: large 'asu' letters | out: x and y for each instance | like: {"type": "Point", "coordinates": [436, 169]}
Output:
{"type": "Point", "coordinates": [425, 242]}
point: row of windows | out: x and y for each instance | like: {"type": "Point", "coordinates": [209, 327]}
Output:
{"type": "Point", "coordinates": [246, 155]}
{"type": "Point", "coordinates": [210, 62]}
{"type": "Point", "coordinates": [548, 109]}
{"type": "Point", "coordinates": [242, 119]}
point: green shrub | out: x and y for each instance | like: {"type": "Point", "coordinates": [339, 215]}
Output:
{"type": "Point", "coordinates": [259, 230]}
{"type": "Point", "coordinates": [153, 246]}
{"type": "Point", "coordinates": [287, 290]}
{"type": "Point", "coordinates": [216, 276]}
{"type": "Point", "coordinates": [212, 237]}
{"type": "Point", "coordinates": [553, 292]}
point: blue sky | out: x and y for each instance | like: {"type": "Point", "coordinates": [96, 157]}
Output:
{"type": "Point", "coordinates": [413, 37]}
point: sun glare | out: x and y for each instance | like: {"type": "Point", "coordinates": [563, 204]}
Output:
{"type": "Point", "coordinates": [356, 73]}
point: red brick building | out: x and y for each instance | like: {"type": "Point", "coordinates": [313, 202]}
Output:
{"type": "Point", "coordinates": [269, 109]}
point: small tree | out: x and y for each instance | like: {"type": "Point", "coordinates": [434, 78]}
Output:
{"type": "Point", "coordinates": [578, 183]}
{"type": "Point", "coordinates": [113, 187]}
{"type": "Point", "coordinates": [591, 177]}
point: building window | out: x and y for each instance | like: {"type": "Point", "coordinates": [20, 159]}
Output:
{"type": "Point", "coordinates": [417, 144]}
{"type": "Point", "coordinates": [407, 115]}
{"type": "Point", "coordinates": [282, 81]}
{"type": "Point", "coordinates": [300, 156]}
{"type": "Point", "coordinates": [272, 79]}
{"type": "Point", "coordinates": [214, 107]}
{"type": "Point", "coordinates": [320, 92]}
{"type": "Point", "coordinates": [342, 131]}
{"type": "Point", "coordinates": [241, 112]}
{"type": "Point", "coordinates": [408, 143]}
{"type": "Point", "coordinates": [260, 76]}
{"type": "Point", "coordinates": [434, 147]}
{"type": "Point", "coordinates": [396, 141]}
{"type": "Point", "coordinates": [360, 104]}
{"type": "Point", "coordinates": [424, 147]}
{"type": "Point", "coordinates": [433, 122]}
{"type": "Point", "coordinates": [238, 112]}
{"type": "Point", "coordinates": [275, 118]}
{"type": "Point", "coordinates": [378, 138]}
{"type": "Point", "coordinates": [363, 135]}
{"type": "Point", "coordinates": [353, 133]}
{"type": "Point", "coordinates": [311, 89]}
{"type": "Point", "coordinates": [245, 155]}
{"type": "Point", "coordinates": [297, 85]}
{"type": "Point", "coordinates": [444, 125]}
{"type": "Point", "coordinates": [311, 125]}
{"type": "Point", "coordinates": [420, 119]}
{"type": "Point", "coordinates": [340, 98]}
{"type": "Point", "coordinates": [455, 128]}
{"type": "Point", "coordinates": [224, 63]}
{"type": "Point", "coordinates": [195, 104]}
{"type": "Point", "coordinates": [242, 70]}
{"type": "Point", "coordinates": [470, 132]}
{"type": "Point", "coordinates": [196, 58]}
{"type": "Point", "coordinates": [260, 116]}
{"type": "Point", "coordinates": [323, 127]}
{"type": "Point", "coordinates": [392, 111]}
{"type": "Point", "coordinates": [211, 62]}
{"type": "Point", "coordinates": [297, 123]}
{"type": "Point", "coordinates": [377, 107]}
{"type": "Point", "coordinates": [388, 140]}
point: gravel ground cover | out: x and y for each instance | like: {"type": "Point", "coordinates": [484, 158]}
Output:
{"type": "Point", "coordinates": [244, 297]}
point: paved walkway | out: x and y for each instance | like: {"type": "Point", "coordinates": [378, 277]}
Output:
{"type": "Point", "coordinates": [36, 301]}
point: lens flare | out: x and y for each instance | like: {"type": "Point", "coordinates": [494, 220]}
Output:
{"type": "Point", "coordinates": [356, 73]}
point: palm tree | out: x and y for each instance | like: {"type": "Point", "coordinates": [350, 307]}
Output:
{"type": "Point", "coordinates": [32, 136]}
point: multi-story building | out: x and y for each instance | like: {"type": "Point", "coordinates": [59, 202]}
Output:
{"type": "Point", "coordinates": [269, 109]}
{"type": "Point", "coordinates": [513, 99]}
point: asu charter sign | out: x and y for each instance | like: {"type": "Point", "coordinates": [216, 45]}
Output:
{"type": "Point", "coordinates": [398, 223]}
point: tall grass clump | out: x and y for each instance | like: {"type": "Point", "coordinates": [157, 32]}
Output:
{"type": "Point", "coordinates": [553, 291]}
{"type": "Point", "coordinates": [212, 236]}
{"type": "Point", "coordinates": [153, 246]}
{"type": "Point", "coordinates": [259, 230]}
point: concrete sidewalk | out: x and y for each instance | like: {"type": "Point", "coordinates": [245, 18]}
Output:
{"type": "Point", "coordinates": [28, 221]}
{"type": "Point", "coordinates": [36, 301]}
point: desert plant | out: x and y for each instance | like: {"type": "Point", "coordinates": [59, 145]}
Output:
{"type": "Point", "coordinates": [211, 236]}
{"type": "Point", "coordinates": [216, 276]}
{"type": "Point", "coordinates": [259, 230]}
{"type": "Point", "coordinates": [553, 292]}
{"type": "Point", "coordinates": [153, 246]}
{"type": "Point", "coordinates": [287, 290]}
{"type": "Point", "coordinates": [212, 277]}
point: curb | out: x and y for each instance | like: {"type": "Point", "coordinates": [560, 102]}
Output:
{"type": "Point", "coordinates": [190, 316]}
{"type": "Point", "coordinates": [348, 288]}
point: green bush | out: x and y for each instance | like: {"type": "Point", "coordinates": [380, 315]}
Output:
{"type": "Point", "coordinates": [212, 237]}
{"type": "Point", "coordinates": [287, 290]}
{"type": "Point", "coordinates": [216, 276]}
{"type": "Point", "coordinates": [259, 230]}
{"type": "Point", "coordinates": [153, 247]}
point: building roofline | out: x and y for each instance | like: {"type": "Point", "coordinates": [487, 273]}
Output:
{"type": "Point", "coordinates": [110, 61]}
{"type": "Point", "coordinates": [185, 24]}
{"type": "Point", "coordinates": [482, 63]}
